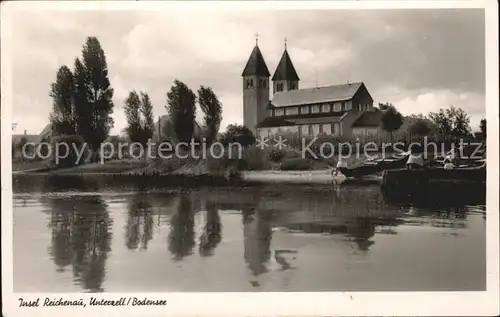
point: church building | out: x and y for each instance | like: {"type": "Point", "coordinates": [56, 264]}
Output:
{"type": "Point", "coordinates": [330, 110]}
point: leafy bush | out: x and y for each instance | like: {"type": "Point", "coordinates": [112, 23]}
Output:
{"type": "Point", "coordinates": [276, 155]}
{"type": "Point", "coordinates": [254, 159]}
{"type": "Point", "coordinates": [68, 156]}
{"type": "Point", "coordinates": [238, 134]}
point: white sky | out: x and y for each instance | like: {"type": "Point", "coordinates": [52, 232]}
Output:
{"type": "Point", "coordinates": [420, 60]}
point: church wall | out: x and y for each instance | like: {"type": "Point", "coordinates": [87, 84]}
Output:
{"type": "Point", "coordinates": [255, 100]}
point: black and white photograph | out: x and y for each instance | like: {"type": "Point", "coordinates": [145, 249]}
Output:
{"type": "Point", "coordinates": [251, 148]}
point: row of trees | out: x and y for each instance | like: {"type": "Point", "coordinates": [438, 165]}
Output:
{"type": "Point", "coordinates": [181, 109]}
{"type": "Point", "coordinates": [452, 123]}
{"type": "Point", "coordinates": [82, 97]}
{"type": "Point", "coordinates": [83, 105]}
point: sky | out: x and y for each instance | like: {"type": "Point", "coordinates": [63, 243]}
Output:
{"type": "Point", "coordinates": [419, 60]}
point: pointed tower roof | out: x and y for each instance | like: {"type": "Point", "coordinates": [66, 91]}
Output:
{"type": "Point", "coordinates": [285, 69]}
{"type": "Point", "coordinates": [256, 64]}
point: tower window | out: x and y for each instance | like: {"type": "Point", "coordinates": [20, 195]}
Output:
{"type": "Point", "coordinates": [292, 86]}
{"type": "Point", "coordinates": [249, 83]}
{"type": "Point", "coordinates": [279, 87]}
{"type": "Point", "coordinates": [262, 83]}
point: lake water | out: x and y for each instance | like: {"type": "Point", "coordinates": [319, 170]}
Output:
{"type": "Point", "coordinates": [262, 238]}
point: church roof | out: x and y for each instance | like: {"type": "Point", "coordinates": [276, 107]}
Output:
{"type": "Point", "coordinates": [299, 120]}
{"type": "Point", "coordinates": [285, 69]}
{"type": "Point", "coordinates": [256, 64]}
{"type": "Point", "coordinates": [315, 95]}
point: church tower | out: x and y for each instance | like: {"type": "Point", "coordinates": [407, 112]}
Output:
{"type": "Point", "coordinates": [285, 77]}
{"type": "Point", "coordinates": [255, 89]}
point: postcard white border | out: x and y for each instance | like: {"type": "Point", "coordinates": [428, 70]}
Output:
{"type": "Point", "coordinates": [270, 304]}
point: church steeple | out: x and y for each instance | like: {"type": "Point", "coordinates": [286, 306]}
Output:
{"type": "Point", "coordinates": [255, 89]}
{"type": "Point", "coordinates": [256, 66]}
{"type": "Point", "coordinates": [285, 77]}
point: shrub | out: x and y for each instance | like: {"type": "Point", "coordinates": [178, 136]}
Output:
{"type": "Point", "coordinates": [71, 159]}
{"type": "Point", "coordinates": [238, 134]}
{"type": "Point", "coordinates": [296, 164]}
{"type": "Point", "coordinates": [275, 155]}
{"type": "Point", "coordinates": [254, 159]}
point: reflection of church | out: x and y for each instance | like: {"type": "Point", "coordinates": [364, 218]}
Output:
{"type": "Point", "coordinates": [257, 234]}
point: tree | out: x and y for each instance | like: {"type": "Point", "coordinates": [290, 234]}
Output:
{"type": "Point", "coordinates": [134, 126]}
{"type": "Point", "coordinates": [69, 159]}
{"type": "Point", "coordinates": [385, 106]}
{"type": "Point", "coordinates": [212, 108]}
{"type": "Point", "coordinates": [139, 115]}
{"type": "Point", "coordinates": [83, 113]}
{"type": "Point", "coordinates": [238, 134]}
{"type": "Point", "coordinates": [63, 117]}
{"type": "Point", "coordinates": [420, 127]}
{"type": "Point", "coordinates": [148, 124]}
{"type": "Point", "coordinates": [443, 122]}
{"type": "Point", "coordinates": [391, 119]}
{"type": "Point", "coordinates": [461, 122]}
{"type": "Point", "coordinates": [482, 126]}
{"type": "Point", "coordinates": [451, 123]}
{"type": "Point", "coordinates": [93, 94]}
{"type": "Point", "coordinates": [181, 107]}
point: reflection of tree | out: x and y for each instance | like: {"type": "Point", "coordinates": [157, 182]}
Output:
{"type": "Point", "coordinates": [181, 236]}
{"type": "Point", "coordinates": [139, 227]}
{"type": "Point", "coordinates": [211, 236]}
{"type": "Point", "coordinates": [362, 229]}
{"type": "Point", "coordinates": [91, 241]}
{"type": "Point", "coordinates": [61, 218]}
{"type": "Point", "coordinates": [257, 230]}
{"type": "Point", "coordinates": [81, 237]}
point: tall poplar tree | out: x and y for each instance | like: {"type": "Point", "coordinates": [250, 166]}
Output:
{"type": "Point", "coordinates": [63, 116]}
{"type": "Point", "coordinates": [212, 108]}
{"type": "Point", "coordinates": [147, 116]}
{"type": "Point", "coordinates": [93, 94]}
{"type": "Point", "coordinates": [181, 107]}
{"type": "Point", "coordinates": [132, 106]}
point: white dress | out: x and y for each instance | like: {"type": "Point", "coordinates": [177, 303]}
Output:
{"type": "Point", "coordinates": [415, 159]}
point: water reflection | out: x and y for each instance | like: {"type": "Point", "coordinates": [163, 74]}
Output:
{"type": "Point", "coordinates": [257, 233]}
{"type": "Point", "coordinates": [181, 239]}
{"type": "Point", "coordinates": [81, 237]}
{"type": "Point", "coordinates": [266, 226]}
{"type": "Point", "coordinates": [361, 230]}
{"type": "Point", "coordinates": [212, 231]}
{"type": "Point", "coordinates": [139, 227]}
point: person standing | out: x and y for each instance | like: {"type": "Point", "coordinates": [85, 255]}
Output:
{"type": "Point", "coordinates": [415, 160]}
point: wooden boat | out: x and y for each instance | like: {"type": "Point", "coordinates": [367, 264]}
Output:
{"type": "Point", "coordinates": [464, 185]}
{"type": "Point", "coordinates": [469, 173]}
{"type": "Point", "coordinates": [373, 167]}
